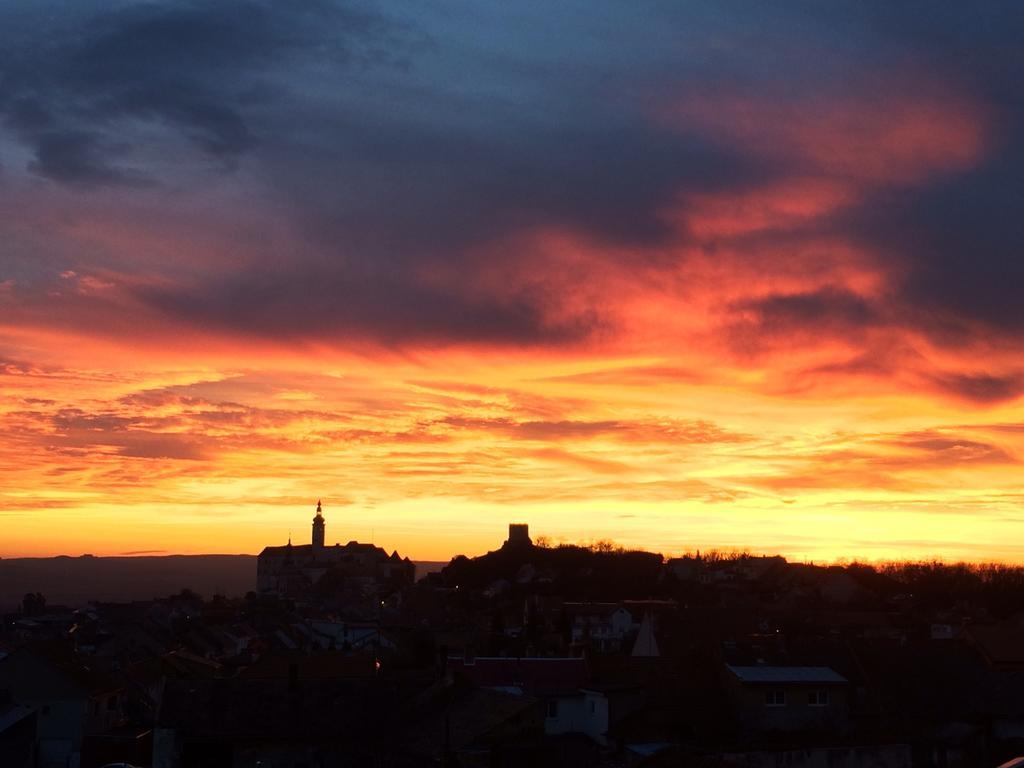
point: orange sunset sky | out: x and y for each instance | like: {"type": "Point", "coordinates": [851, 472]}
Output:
{"type": "Point", "coordinates": [690, 276]}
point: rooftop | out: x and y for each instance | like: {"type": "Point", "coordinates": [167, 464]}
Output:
{"type": "Point", "coordinates": [766, 674]}
{"type": "Point", "coordinates": [533, 674]}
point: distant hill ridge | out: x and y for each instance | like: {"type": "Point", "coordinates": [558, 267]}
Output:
{"type": "Point", "coordinates": [74, 581]}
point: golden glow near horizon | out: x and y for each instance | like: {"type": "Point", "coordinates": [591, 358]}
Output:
{"type": "Point", "coordinates": [431, 464]}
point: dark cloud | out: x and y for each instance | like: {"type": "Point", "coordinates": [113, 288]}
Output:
{"type": "Point", "coordinates": [375, 305]}
{"type": "Point", "coordinates": [943, 449]}
{"type": "Point", "coordinates": [433, 191]}
{"type": "Point", "coordinates": [77, 157]}
{"type": "Point", "coordinates": [800, 318]}
{"type": "Point", "coordinates": [956, 240]}
{"type": "Point", "coordinates": [980, 388]}
{"type": "Point", "coordinates": [384, 179]}
{"type": "Point", "coordinates": [892, 357]}
{"type": "Point", "coordinates": [810, 310]}
{"type": "Point", "coordinates": [196, 68]}
{"type": "Point", "coordinates": [405, 153]}
{"type": "Point", "coordinates": [137, 552]}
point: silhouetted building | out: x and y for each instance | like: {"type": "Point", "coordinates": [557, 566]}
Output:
{"type": "Point", "coordinates": [319, 530]}
{"type": "Point", "coordinates": [295, 568]}
{"type": "Point", "coordinates": [286, 721]}
{"type": "Point", "coordinates": [558, 682]}
{"type": "Point", "coordinates": [518, 535]}
{"type": "Point", "coordinates": [601, 626]}
{"type": "Point", "coordinates": [17, 733]}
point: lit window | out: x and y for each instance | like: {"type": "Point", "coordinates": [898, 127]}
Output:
{"type": "Point", "coordinates": [818, 698]}
{"type": "Point", "coordinates": [775, 698]}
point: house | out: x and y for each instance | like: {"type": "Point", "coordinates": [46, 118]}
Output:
{"type": "Point", "coordinates": [557, 682]}
{"type": "Point", "coordinates": [474, 727]}
{"type": "Point", "coordinates": [601, 626]}
{"type": "Point", "coordinates": [321, 665]}
{"type": "Point", "coordinates": [17, 733]}
{"type": "Point", "coordinates": [120, 646]}
{"type": "Point", "coordinates": [788, 699]}
{"type": "Point", "coordinates": [71, 701]}
{"type": "Point", "coordinates": [605, 705]}
{"type": "Point", "coordinates": [301, 718]}
{"type": "Point", "coordinates": [837, 586]}
{"type": "Point", "coordinates": [348, 635]}
{"type": "Point", "coordinates": [1001, 646]}
{"type": "Point", "coordinates": [573, 702]}
{"type": "Point", "coordinates": [855, 756]}
{"type": "Point", "coordinates": [683, 568]}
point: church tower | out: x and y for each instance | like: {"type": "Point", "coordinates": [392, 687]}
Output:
{"type": "Point", "coordinates": [318, 531]}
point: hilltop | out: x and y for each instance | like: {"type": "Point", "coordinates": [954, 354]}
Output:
{"type": "Point", "coordinates": [74, 581]}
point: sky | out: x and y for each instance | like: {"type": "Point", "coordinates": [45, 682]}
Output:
{"type": "Point", "coordinates": [683, 275]}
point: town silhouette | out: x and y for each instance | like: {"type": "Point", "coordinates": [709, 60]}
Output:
{"type": "Point", "coordinates": [534, 654]}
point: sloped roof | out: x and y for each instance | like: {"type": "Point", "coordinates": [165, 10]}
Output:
{"type": "Point", "coordinates": [646, 644]}
{"type": "Point", "coordinates": [533, 675]}
{"type": "Point", "coordinates": [13, 714]}
{"type": "Point", "coordinates": [306, 550]}
{"type": "Point", "coordinates": [60, 659]}
{"type": "Point", "coordinates": [284, 549]}
{"type": "Point", "coordinates": [1000, 645]}
{"type": "Point", "coordinates": [459, 718]}
{"type": "Point", "coordinates": [592, 609]}
{"type": "Point", "coordinates": [777, 675]}
{"type": "Point", "coordinates": [244, 708]}
{"type": "Point", "coordinates": [325, 665]}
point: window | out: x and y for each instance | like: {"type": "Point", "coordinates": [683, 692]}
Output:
{"type": "Point", "coordinates": [818, 698]}
{"type": "Point", "coordinates": [775, 698]}
{"type": "Point", "coordinates": [553, 708]}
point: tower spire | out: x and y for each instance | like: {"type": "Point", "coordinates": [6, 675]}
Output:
{"type": "Point", "coordinates": [318, 529]}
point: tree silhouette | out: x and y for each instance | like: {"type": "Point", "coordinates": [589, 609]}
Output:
{"type": "Point", "coordinates": [33, 604]}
